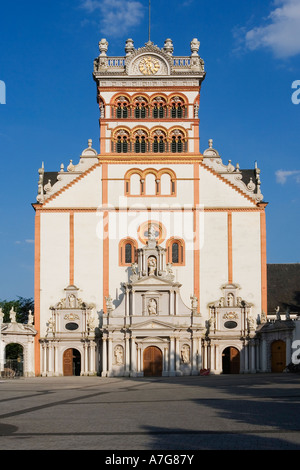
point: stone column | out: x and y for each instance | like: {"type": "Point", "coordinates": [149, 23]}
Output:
{"type": "Point", "coordinates": [246, 358]}
{"type": "Point", "coordinates": [252, 357]}
{"type": "Point", "coordinates": [133, 357]}
{"type": "Point", "coordinates": [92, 367]}
{"type": "Point", "coordinates": [104, 357]}
{"type": "Point", "coordinates": [194, 356]}
{"type": "Point", "coordinates": [288, 351]}
{"type": "Point", "coordinates": [212, 357]}
{"type": "Point", "coordinates": [177, 355]}
{"type": "Point", "coordinates": [110, 356]}
{"type": "Point", "coordinates": [127, 355]}
{"type": "Point", "coordinates": [264, 365]}
{"type": "Point", "coordinates": [172, 353]}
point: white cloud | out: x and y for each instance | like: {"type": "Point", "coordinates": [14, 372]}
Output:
{"type": "Point", "coordinates": [29, 241]}
{"type": "Point", "coordinates": [116, 17]}
{"type": "Point", "coordinates": [281, 33]}
{"type": "Point", "coordinates": [282, 175]}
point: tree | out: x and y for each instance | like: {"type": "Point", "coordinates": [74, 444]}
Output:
{"type": "Point", "coordinates": [21, 306]}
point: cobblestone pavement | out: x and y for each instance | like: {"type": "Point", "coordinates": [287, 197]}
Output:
{"type": "Point", "coordinates": [232, 412]}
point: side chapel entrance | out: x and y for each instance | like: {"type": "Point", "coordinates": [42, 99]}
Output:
{"type": "Point", "coordinates": [71, 362]}
{"type": "Point", "coordinates": [152, 362]}
{"type": "Point", "coordinates": [231, 361]}
{"type": "Point", "coordinates": [278, 354]}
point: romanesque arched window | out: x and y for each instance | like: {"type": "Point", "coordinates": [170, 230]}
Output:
{"type": "Point", "coordinates": [159, 141]}
{"type": "Point", "coordinates": [121, 142]}
{"type": "Point", "coordinates": [141, 141]}
{"type": "Point", "coordinates": [175, 251]}
{"type": "Point", "coordinates": [177, 107]}
{"type": "Point", "coordinates": [178, 141]}
{"type": "Point", "coordinates": [127, 251]}
{"type": "Point", "coordinates": [159, 110]}
{"type": "Point", "coordinates": [141, 109]}
{"type": "Point", "coordinates": [121, 108]}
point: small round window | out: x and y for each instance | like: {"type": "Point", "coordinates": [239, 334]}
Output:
{"type": "Point", "coordinates": [72, 326]}
{"type": "Point", "coordinates": [230, 324]}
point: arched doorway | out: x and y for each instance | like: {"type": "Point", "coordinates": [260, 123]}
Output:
{"type": "Point", "coordinates": [278, 356]}
{"type": "Point", "coordinates": [231, 360]}
{"type": "Point", "coordinates": [71, 362]}
{"type": "Point", "coordinates": [14, 360]}
{"type": "Point", "coordinates": [152, 362]}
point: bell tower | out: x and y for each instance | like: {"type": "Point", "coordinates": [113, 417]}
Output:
{"type": "Point", "coordinates": [149, 100]}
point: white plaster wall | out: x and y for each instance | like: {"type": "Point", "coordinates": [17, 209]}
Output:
{"type": "Point", "coordinates": [88, 256]}
{"type": "Point", "coordinates": [54, 261]}
{"type": "Point", "coordinates": [213, 258]}
{"type": "Point", "coordinates": [217, 193]}
{"type": "Point", "coordinates": [123, 225]}
{"type": "Point", "coordinates": [246, 256]}
{"type": "Point", "coordinates": [84, 193]}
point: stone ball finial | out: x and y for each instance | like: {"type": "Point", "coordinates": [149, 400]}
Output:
{"type": "Point", "coordinates": [90, 143]}
{"type": "Point", "coordinates": [195, 44]}
{"type": "Point", "coordinates": [103, 46]}
{"type": "Point", "coordinates": [168, 46]}
{"type": "Point", "coordinates": [129, 46]}
{"type": "Point", "coordinates": [210, 143]}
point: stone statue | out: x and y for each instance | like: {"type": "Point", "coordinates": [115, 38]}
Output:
{"type": "Point", "coordinates": [134, 267]}
{"type": "Point", "coordinates": [194, 302]}
{"type": "Point", "coordinates": [119, 355]}
{"type": "Point", "coordinates": [277, 312]}
{"type": "Point", "coordinates": [109, 303]}
{"type": "Point", "coordinates": [30, 318]}
{"type": "Point", "coordinates": [151, 265]}
{"type": "Point", "coordinates": [72, 301]}
{"type": "Point", "coordinates": [12, 315]}
{"type": "Point", "coordinates": [152, 307]}
{"type": "Point", "coordinates": [151, 232]}
{"type": "Point", "coordinates": [185, 354]}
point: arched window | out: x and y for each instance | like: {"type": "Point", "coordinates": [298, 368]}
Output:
{"type": "Point", "coordinates": [176, 251]}
{"type": "Point", "coordinates": [120, 143]}
{"type": "Point", "coordinates": [159, 141]}
{"type": "Point", "coordinates": [140, 108]}
{"type": "Point", "coordinates": [178, 141]}
{"type": "Point", "coordinates": [121, 107]}
{"type": "Point", "coordinates": [140, 141]}
{"type": "Point", "coordinates": [127, 252]}
{"type": "Point", "coordinates": [158, 108]}
{"type": "Point", "coordinates": [177, 107]}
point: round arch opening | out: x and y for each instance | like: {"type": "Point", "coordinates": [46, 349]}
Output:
{"type": "Point", "coordinates": [71, 362]}
{"type": "Point", "coordinates": [14, 360]}
{"type": "Point", "coordinates": [152, 362]}
{"type": "Point", "coordinates": [231, 360]}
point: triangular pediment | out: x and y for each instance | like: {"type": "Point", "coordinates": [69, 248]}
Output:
{"type": "Point", "coordinates": [152, 324]}
{"type": "Point", "coordinates": [153, 281]}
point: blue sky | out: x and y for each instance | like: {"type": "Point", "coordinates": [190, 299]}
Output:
{"type": "Point", "coordinates": [251, 51]}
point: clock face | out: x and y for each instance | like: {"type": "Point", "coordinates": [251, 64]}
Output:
{"type": "Point", "coordinates": [149, 65]}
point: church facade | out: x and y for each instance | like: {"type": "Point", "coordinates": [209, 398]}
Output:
{"type": "Point", "coordinates": [150, 256]}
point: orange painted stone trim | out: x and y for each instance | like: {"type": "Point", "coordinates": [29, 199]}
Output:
{"type": "Point", "coordinates": [263, 238]}
{"type": "Point", "coordinates": [37, 288]}
{"type": "Point", "coordinates": [196, 234]}
{"type": "Point", "coordinates": [229, 228]}
{"type": "Point", "coordinates": [71, 248]}
{"type": "Point", "coordinates": [105, 235]}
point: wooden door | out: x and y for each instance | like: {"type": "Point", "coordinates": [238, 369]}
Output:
{"type": "Point", "coordinates": [234, 361]}
{"type": "Point", "coordinates": [68, 362]}
{"type": "Point", "coordinates": [278, 354]}
{"type": "Point", "coordinates": [152, 362]}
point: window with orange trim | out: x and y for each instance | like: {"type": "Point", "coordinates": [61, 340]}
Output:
{"type": "Point", "coordinates": [176, 251]}
{"type": "Point", "coordinates": [127, 251]}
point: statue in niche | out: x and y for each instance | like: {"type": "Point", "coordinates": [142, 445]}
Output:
{"type": "Point", "coordinates": [185, 354]}
{"type": "Point", "coordinates": [72, 301]}
{"type": "Point", "coordinates": [151, 265]}
{"type": "Point", "coordinates": [119, 355]}
{"type": "Point", "coordinates": [230, 300]}
{"type": "Point", "coordinates": [152, 307]}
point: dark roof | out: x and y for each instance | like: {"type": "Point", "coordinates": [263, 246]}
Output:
{"type": "Point", "coordinates": [284, 287]}
{"type": "Point", "coordinates": [52, 176]}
